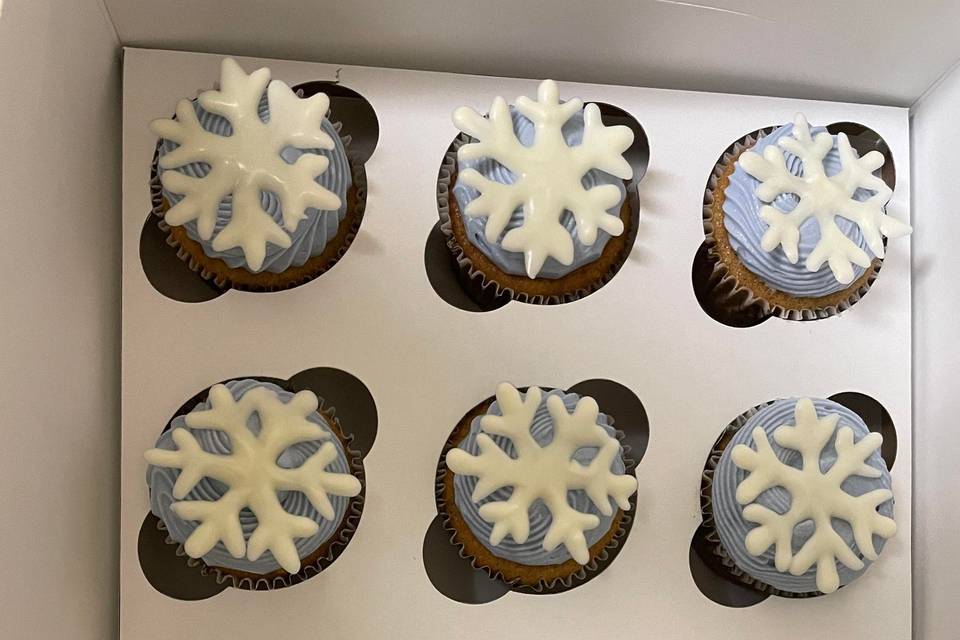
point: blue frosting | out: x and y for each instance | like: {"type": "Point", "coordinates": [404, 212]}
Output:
{"type": "Point", "coordinates": [530, 552]}
{"type": "Point", "coordinates": [312, 234]}
{"type": "Point", "coordinates": [745, 227]}
{"type": "Point", "coordinates": [161, 481]}
{"type": "Point", "coordinates": [512, 261]}
{"type": "Point", "coordinates": [728, 514]}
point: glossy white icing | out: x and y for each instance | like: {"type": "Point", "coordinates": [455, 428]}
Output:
{"type": "Point", "coordinates": [252, 474]}
{"type": "Point", "coordinates": [822, 198]}
{"type": "Point", "coordinates": [544, 473]}
{"type": "Point", "coordinates": [247, 162]}
{"type": "Point", "coordinates": [549, 175]}
{"type": "Point", "coordinates": [816, 496]}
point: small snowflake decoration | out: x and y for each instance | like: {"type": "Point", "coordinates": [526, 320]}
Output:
{"type": "Point", "coordinates": [544, 473]}
{"type": "Point", "coordinates": [252, 474]}
{"type": "Point", "coordinates": [247, 162]}
{"type": "Point", "coordinates": [823, 197]}
{"type": "Point", "coordinates": [815, 496]}
{"type": "Point", "coordinates": [549, 175]}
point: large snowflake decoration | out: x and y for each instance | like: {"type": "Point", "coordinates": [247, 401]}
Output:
{"type": "Point", "coordinates": [549, 175]}
{"type": "Point", "coordinates": [823, 197]}
{"type": "Point", "coordinates": [247, 162]}
{"type": "Point", "coordinates": [252, 474]}
{"type": "Point", "coordinates": [815, 496]}
{"type": "Point", "coordinates": [544, 473]}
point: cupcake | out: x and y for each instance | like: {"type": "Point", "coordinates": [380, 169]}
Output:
{"type": "Point", "coordinates": [257, 483]}
{"type": "Point", "coordinates": [799, 498]}
{"type": "Point", "coordinates": [253, 183]}
{"type": "Point", "coordinates": [535, 487]}
{"type": "Point", "coordinates": [533, 199]}
{"type": "Point", "coordinates": [795, 222]}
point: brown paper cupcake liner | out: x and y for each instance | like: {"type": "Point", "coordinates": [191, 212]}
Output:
{"type": "Point", "coordinates": [314, 563]}
{"type": "Point", "coordinates": [223, 276]}
{"type": "Point", "coordinates": [721, 562]}
{"type": "Point", "coordinates": [601, 552]}
{"type": "Point", "coordinates": [734, 286]}
{"type": "Point", "coordinates": [493, 289]}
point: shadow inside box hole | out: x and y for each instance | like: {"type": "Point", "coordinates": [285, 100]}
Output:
{"type": "Point", "coordinates": [714, 295]}
{"type": "Point", "coordinates": [353, 404]}
{"type": "Point", "coordinates": [166, 272]}
{"type": "Point", "coordinates": [353, 111]}
{"type": "Point", "coordinates": [876, 418]}
{"type": "Point", "coordinates": [864, 140]}
{"type": "Point", "coordinates": [454, 576]}
{"type": "Point", "coordinates": [638, 153]}
{"type": "Point", "coordinates": [628, 413]}
{"type": "Point", "coordinates": [712, 578]}
{"type": "Point", "coordinates": [168, 572]}
{"type": "Point", "coordinates": [442, 273]}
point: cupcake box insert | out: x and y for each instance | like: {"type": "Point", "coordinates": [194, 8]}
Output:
{"type": "Point", "coordinates": [376, 316]}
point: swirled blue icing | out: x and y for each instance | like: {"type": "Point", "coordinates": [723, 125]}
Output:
{"type": "Point", "coordinates": [530, 552]}
{"type": "Point", "coordinates": [512, 261]}
{"type": "Point", "coordinates": [161, 481]}
{"type": "Point", "coordinates": [745, 227]}
{"type": "Point", "coordinates": [728, 514]}
{"type": "Point", "coordinates": [312, 234]}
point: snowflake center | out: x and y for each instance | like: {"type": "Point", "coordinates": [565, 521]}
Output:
{"type": "Point", "coordinates": [823, 194]}
{"type": "Point", "coordinates": [254, 160]}
{"type": "Point", "coordinates": [539, 186]}
{"type": "Point", "coordinates": [804, 493]}
{"type": "Point", "coordinates": [541, 175]}
{"type": "Point", "coordinates": [543, 465]}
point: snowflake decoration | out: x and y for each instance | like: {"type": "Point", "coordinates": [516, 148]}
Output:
{"type": "Point", "coordinates": [815, 496]}
{"type": "Point", "coordinates": [248, 162]}
{"type": "Point", "coordinates": [252, 474]}
{"type": "Point", "coordinates": [823, 197]}
{"type": "Point", "coordinates": [549, 174]}
{"type": "Point", "coordinates": [545, 473]}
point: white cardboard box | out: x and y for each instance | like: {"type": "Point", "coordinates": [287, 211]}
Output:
{"type": "Point", "coordinates": [376, 316]}
{"type": "Point", "coordinates": [60, 97]}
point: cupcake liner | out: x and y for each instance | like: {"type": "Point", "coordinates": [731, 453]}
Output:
{"type": "Point", "coordinates": [746, 293]}
{"type": "Point", "coordinates": [317, 561]}
{"type": "Point", "coordinates": [721, 562]}
{"type": "Point", "coordinates": [483, 287]}
{"type": "Point", "coordinates": [543, 586]}
{"type": "Point", "coordinates": [314, 267]}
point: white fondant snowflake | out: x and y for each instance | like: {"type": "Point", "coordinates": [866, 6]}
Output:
{"type": "Point", "coordinates": [549, 175]}
{"type": "Point", "coordinates": [247, 162]}
{"type": "Point", "coordinates": [823, 197]}
{"type": "Point", "coordinates": [815, 496]}
{"type": "Point", "coordinates": [544, 473]}
{"type": "Point", "coordinates": [252, 474]}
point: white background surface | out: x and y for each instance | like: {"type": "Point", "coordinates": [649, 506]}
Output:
{"type": "Point", "coordinates": [426, 363]}
{"type": "Point", "coordinates": [885, 52]}
{"type": "Point", "coordinates": [936, 361]}
{"type": "Point", "coordinates": [59, 319]}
